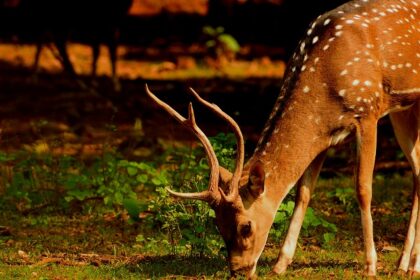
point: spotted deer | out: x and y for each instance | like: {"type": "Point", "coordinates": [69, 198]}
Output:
{"type": "Point", "coordinates": [356, 64]}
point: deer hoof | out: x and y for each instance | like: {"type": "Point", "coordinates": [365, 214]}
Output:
{"type": "Point", "coordinates": [414, 268]}
{"type": "Point", "coordinates": [281, 266]}
{"type": "Point", "coordinates": [370, 271]}
{"type": "Point", "coordinates": [413, 274]}
{"type": "Point", "coordinates": [401, 272]}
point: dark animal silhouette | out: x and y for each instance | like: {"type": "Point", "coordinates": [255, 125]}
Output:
{"type": "Point", "coordinates": [94, 21]}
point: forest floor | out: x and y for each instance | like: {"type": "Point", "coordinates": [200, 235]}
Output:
{"type": "Point", "coordinates": [103, 246]}
{"type": "Point", "coordinates": [51, 114]}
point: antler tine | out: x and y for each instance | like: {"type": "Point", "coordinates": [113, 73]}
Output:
{"type": "Point", "coordinates": [212, 194]}
{"type": "Point", "coordinates": [204, 195]}
{"type": "Point", "coordinates": [234, 189]}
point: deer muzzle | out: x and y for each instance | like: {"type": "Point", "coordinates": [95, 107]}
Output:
{"type": "Point", "coordinates": [247, 271]}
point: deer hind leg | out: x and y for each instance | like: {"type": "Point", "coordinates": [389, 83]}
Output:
{"type": "Point", "coordinates": [95, 56]}
{"type": "Point", "coordinates": [39, 45]}
{"type": "Point", "coordinates": [366, 151]}
{"type": "Point", "coordinates": [113, 48]}
{"type": "Point", "coordinates": [305, 185]}
{"type": "Point", "coordinates": [42, 40]}
{"type": "Point", "coordinates": [61, 44]}
{"type": "Point", "coordinates": [406, 126]}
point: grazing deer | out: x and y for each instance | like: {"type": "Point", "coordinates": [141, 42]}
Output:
{"type": "Point", "coordinates": [357, 64]}
{"type": "Point", "coordinates": [98, 20]}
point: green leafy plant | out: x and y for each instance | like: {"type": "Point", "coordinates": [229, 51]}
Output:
{"type": "Point", "coordinates": [311, 223]}
{"type": "Point", "coordinates": [224, 146]}
{"type": "Point", "coordinates": [42, 180]}
{"type": "Point", "coordinates": [344, 197]}
{"type": "Point", "coordinates": [35, 181]}
{"type": "Point", "coordinates": [219, 44]}
{"type": "Point", "coordinates": [188, 225]}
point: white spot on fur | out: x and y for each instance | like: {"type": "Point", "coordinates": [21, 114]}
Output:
{"type": "Point", "coordinates": [302, 47]}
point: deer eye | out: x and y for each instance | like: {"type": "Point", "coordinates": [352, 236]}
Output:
{"type": "Point", "coordinates": [246, 229]}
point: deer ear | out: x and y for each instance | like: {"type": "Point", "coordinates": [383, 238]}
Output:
{"type": "Point", "coordinates": [256, 179]}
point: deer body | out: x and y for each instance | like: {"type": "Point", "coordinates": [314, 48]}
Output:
{"type": "Point", "coordinates": [357, 64]}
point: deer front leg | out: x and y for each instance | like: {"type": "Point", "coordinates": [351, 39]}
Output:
{"type": "Point", "coordinates": [366, 151]}
{"type": "Point", "coordinates": [305, 186]}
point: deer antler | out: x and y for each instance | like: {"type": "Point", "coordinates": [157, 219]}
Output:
{"type": "Point", "coordinates": [212, 194]}
{"type": "Point", "coordinates": [233, 191]}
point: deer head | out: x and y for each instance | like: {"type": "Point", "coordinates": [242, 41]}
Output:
{"type": "Point", "coordinates": [237, 198]}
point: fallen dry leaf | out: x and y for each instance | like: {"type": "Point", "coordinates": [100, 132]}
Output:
{"type": "Point", "coordinates": [389, 248]}
{"type": "Point", "coordinates": [23, 255]}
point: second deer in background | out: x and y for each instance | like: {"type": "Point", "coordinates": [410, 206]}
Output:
{"type": "Point", "coordinates": [56, 21]}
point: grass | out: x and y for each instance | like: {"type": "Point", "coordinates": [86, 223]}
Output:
{"type": "Point", "coordinates": [99, 245]}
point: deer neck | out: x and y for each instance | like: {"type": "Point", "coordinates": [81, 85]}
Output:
{"type": "Point", "coordinates": [290, 142]}
{"type": "Point", "coordinates": [305, 121]}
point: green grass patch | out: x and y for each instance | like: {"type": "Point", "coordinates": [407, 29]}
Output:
{"type": "Point", "coordinates": [110, 217]}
